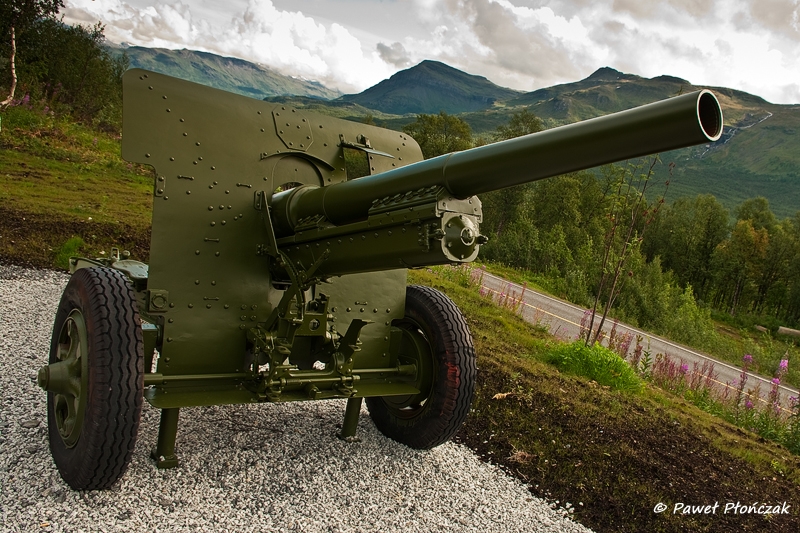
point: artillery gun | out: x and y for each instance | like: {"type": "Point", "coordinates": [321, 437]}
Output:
{"type": "Point", "coordinates": [274, 276]}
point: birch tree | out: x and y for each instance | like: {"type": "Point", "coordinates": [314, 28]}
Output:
{"type": "Point", "coordinates": [16, 16]}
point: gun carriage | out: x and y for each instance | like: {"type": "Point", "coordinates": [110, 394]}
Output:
{"type": "Point", "coordinates": [273, 277]}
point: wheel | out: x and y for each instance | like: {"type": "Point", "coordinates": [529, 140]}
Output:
{"type": "Point", "coordinates": [437, 339]}
{"type": "Point", "coordinates": [95, 379]}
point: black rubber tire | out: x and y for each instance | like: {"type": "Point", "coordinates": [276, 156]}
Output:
{"type": "Point", "coordinates": [115, 382]}
{"type": "Point", "coordinates": [437, 419]}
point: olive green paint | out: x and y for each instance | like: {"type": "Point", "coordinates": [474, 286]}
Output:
{"type": "Point", "coordinates": [275, 278]}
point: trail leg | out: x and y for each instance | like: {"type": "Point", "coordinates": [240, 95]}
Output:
{"type": "Point", "coordinates": [164, 454]}
{"type": "Point", "coordinates": [350, 424]}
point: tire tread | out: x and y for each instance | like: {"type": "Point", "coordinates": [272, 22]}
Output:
{"type": "Point", "coordinates": [115, 392]}
{"type": "Point", "coordinates": [449, 404]}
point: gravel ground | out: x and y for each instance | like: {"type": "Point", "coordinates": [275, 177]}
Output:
{"type": "Point", "coordinates": [266, 467]}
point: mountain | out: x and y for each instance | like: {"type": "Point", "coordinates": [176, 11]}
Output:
{"type": "Point", "coordinates": [758, 154]}
{"type": "Point", "coordinates": [226, 73]}
{"type": "Point", "coordinates": [430, 87]}
{"type": "Point", "coordinates": [605, 91]}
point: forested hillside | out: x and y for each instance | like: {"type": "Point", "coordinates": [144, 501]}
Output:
{"type": "Point", "coordinates": [668, 266]}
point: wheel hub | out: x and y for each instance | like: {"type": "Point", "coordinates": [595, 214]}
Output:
{"type": "Point", "coordinates": [414, 349]}
{"type": "Point", "coordinates": [67, 378]}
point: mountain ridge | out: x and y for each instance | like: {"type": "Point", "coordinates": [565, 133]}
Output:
{"type": "Point", "coordinates": [757, 156]}
{"type": "Point", "coordinates": [226, 73]}
{"type": "Point", "coordinates": [430, 87]}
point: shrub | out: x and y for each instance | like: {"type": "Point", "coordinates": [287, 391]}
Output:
{"type": "Point", "coordinates": [597, 363]}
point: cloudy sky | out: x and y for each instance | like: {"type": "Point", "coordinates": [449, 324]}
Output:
{"type": "Point", "coordinates": [752, 45]}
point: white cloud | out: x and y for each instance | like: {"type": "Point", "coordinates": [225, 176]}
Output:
{"type": "Point", "coordinates": [284, 40]}
{"type": "Point", "coordinates": [548, 42]}
{"type": "Point", "coordinates": [521, 47]}
{"type": "Point", "coordinates": [753, 45]}
{"type": "Point", "coordinates": [159, 25]}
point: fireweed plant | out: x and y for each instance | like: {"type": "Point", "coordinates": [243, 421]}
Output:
{"type": "Point", "coordinates": [621, 367]}
{"type": "Point", "coordinates": [735, 402]}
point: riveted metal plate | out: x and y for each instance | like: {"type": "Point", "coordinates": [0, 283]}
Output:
{"type": "Point", "coordinates": [216, 150]}
{"type": "Point", "coordinates": [292, 128]}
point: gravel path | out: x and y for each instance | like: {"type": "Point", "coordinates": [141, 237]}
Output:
{"type": "Point", "coordinates": [266, 467]}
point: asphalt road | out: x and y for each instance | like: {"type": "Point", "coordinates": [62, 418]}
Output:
{"type": "Point", "coordinates": [563, 319]}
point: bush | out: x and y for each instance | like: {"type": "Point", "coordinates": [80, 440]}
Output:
{"type": "Point", "coordinates": [688, 323]}
{"type": "Point", "coordinates": [69, 70]}
{"type": "Point", "coordinates": [597, 363]}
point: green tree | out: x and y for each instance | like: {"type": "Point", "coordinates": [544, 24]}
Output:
{"type": "Point", "coordinates": [16, 17]}
{"type": "Point", "coordinates": [568, 201]}
{"type": "Point", "coordinates": [521, 123]}
{"type": "Point", "coordinates": [773, 280]}
{"type": "Point", "coordinates": [757, 211]}
{"type": "Point", "coordinates": [73, 69]}
{"type": "Point", "coordinates": [685, 236]}
{"type": "Point", "coordinates": [738, 262]}
{"type": "Point", "coordinates": [793, 275]}
{"type": "Point", "coordinates": [440, 134]}
{"type": "Point", "coordinates": [646, 297]}
{"type": "Point", "coordinates": [504, 205]}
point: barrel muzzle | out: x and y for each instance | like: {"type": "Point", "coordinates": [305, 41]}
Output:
{"type": "Point", "coordinates": [678, 122]}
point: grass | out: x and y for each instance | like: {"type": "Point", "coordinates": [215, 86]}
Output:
{"type": "Point", "coordinates": [534, 281]}
{"type": "Point", "coordinates": [726, 342]}
{"type": "Point", "coordinates": [611, 454]}
{"type": "Point", "coordinates": [52, 165]}
{"type": "Point", "coordinates": [596, 363]}
{"type": "Point", "coordinates": [60, 180]}
{"type": "Point", "coordinates": [741, 405]}
{"type": "Point", "coordinates": [749, 408]}
{"type": "Point", "coordinates": [70, 248]}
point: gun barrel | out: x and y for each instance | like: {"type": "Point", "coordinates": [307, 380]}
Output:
{"type": "Point", "coordinates": [670, 124]}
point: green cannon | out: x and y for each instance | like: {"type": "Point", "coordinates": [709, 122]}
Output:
{"type": "Point", "coordinates": [275, 276]}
